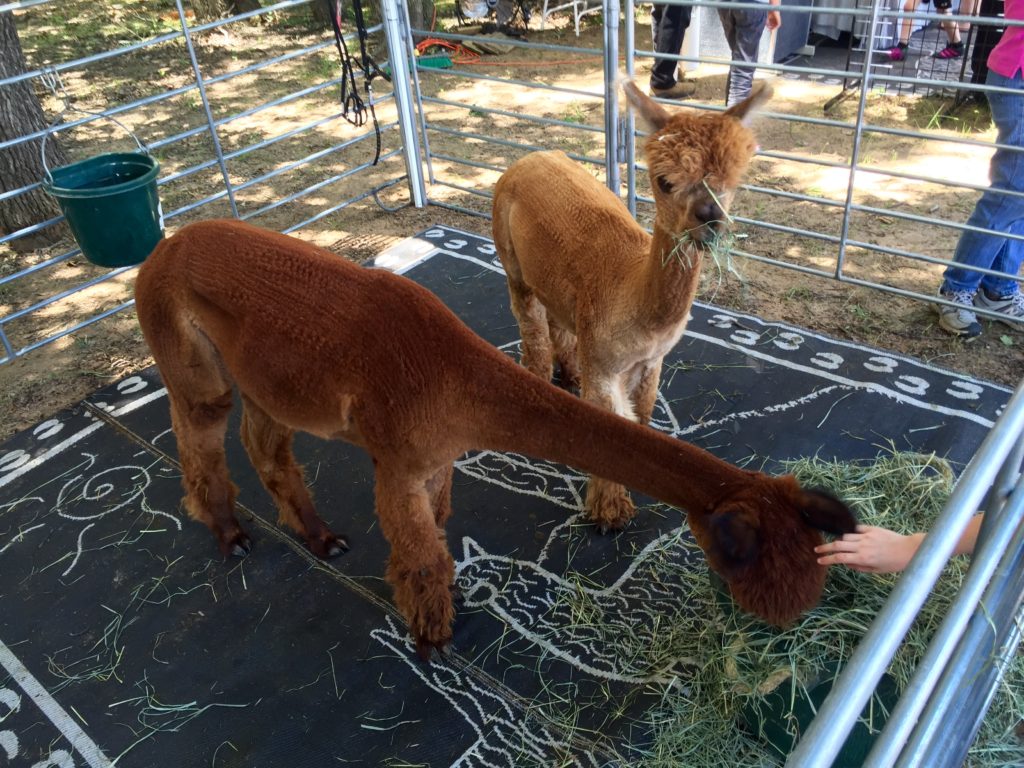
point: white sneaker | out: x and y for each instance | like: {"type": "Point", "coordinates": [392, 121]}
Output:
{"type": "Point", "coordinates": [958, 320]}
{"type": "Point", "coordinates": [1011, 308]}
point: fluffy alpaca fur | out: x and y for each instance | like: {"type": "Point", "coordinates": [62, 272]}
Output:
{"type": "Point", "coordinates": [590, 288]}
{"type": "Point", "coordinates": [316, 343]}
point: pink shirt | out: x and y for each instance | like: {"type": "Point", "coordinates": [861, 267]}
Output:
{"type": "Point", "coordinates": [1007, 58]}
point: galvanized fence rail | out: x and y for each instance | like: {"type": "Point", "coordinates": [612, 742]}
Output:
{"type": "Point", "coordinates": [351, 148]}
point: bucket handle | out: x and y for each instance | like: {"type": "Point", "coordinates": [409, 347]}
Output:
{"type": "Point", "coordinates": [68, 108]}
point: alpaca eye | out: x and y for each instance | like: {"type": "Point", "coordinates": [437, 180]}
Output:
{"type": "Point", "coordinates": [664, 185]}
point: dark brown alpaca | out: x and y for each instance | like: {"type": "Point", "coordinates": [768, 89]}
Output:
{"type": "Point", "coordinates": [590, 288]}
{"type": "Point", "coordinates": [316, 343]}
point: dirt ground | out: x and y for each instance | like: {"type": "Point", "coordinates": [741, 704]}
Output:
{"type": "Point", "coordinates": [41, 383]}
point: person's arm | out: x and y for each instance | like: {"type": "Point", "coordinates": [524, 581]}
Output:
{"type": "Point", "coordinates": [879, 550]}
{"type": "Point", "coordinates": [774, 17]}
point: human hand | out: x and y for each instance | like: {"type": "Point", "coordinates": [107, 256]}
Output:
{"type": "Point", "coordinates": [871, 550]}
{"type": "Point", "coordinates": [774, 21]}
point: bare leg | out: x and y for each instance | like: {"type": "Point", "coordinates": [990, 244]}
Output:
{"type": "Point", "coordinates": [909, 6]}
{"type": "Point", "coordinates": [420, 570]}
{"type": "Point", "coordinates": [269, 445]}
{"type": "Point", "coordinates": [954, 30]}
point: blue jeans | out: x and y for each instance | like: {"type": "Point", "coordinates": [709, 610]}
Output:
{"type": "Point", "coordinates": [994, 210]}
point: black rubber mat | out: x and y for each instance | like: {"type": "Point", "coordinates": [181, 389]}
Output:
{"type": "Point", "coordinates": [126, 639]}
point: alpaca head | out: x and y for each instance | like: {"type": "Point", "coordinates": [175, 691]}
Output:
{"type": "Point", "coordinates": [761, 537]}
{"type": "Point", "coordinates": [696, 160]}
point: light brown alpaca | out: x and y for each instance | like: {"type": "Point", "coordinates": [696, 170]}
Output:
{"type": "Point", "coordinates": [590, 288]}
{"type": "Point", "coordinates": [316, 343]}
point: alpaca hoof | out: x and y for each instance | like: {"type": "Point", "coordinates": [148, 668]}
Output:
{"type": "Point", "coordinates": [612, 513]}
{"type": "Point", "coordinates": [425, 649]}
{"type": "Point", "coordinates": [241, 550]}
{"type": "Point", "coordinates": [328, 546]}
{"type": "Point", "coordinates": [236, 544]}
{"type": "Point", "coordinates": [338, 548]}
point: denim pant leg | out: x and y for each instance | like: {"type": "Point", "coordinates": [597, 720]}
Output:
{"type": "Point", "coordinates": [743, 29]}
{"type": "Point", "coordinates": [994, 210]}
{"type": "Point", "coordinates": [668, 28]}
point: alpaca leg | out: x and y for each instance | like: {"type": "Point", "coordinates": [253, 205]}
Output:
{"type": "Point", "coordinates": [420, 570]}
{"type": "Point", "coordinates": [564, 343]}
{"type": "Point", "coordinates": [439, 491]}
{"type": "Point", "coordinates": [608, 504]}
{"type": "Point", "coordinates": [269, 445]}
{"type": "Point", "coordinates": [533, 327]}
{"type": "Point", "coordinates": [645, 390]}
{"type": "Point", "coordinates": [200, 422]}
{"type": "Point", "coordinates": [199, 392]}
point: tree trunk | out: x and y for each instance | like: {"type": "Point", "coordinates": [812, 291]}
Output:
{"type": "Point", "coordinates": [321, 15]}
{"type": "Point", "coordinates": [209, 10]}
{"type": "Point", "coordinates": [21, 164]}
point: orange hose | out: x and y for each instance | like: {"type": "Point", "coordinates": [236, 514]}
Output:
{"type": "Point", "coordinates": [462, 54]}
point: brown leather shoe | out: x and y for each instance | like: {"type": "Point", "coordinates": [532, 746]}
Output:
{"type": "Point", "coordinates": [683, 89]}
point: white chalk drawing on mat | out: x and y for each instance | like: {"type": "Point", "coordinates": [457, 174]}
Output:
{"type": "Point", "coordinates": [85, 493]}
{"type": "Point", "coordinates": [504, 736]}
{"type": "Point", "coordinates": [85, 497]}
{"type": "Point", "coordinates": [551, 482]}
{"type": "Point", "coordinates": [628, 616]}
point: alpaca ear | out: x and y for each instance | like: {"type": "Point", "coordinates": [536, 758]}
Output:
{"type": "Point", "coordinates": [825, 512]}
{"type": "Point", "coordinates": [734, 539]}
{"type": "Point", "coordinates": [649, 110]}
{"type": "Point", "coordinates": [746, 110]}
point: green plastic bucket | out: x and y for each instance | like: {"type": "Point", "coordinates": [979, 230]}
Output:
{"type": "Point", "coordinates": [111, 204]}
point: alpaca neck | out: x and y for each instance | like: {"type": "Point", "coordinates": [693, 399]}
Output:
{"type": "Point", "coordinates": [673, 269]}
{"type": "Point", "coordinates": [531, 417]}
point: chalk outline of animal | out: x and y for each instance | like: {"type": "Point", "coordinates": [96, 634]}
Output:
{"type": "Point", "coordinates": [591, 289]}
{"type": "Point", "coordinates": [629, 599]}
{"type": "Point", "coordinates": [316, 343]}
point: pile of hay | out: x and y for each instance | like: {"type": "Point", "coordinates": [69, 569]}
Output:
{"type": "Point", "coordinates": [742, 661]}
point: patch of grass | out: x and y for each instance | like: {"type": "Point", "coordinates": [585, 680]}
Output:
{"type": "Point", "coordinates": [799, 293]}
{"type": "Point", "coordinates": [575, 113]}
{"type": "Point", "coordinates": [321, 67]}
{"type": "Point", "coordinates": [54, 28]}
